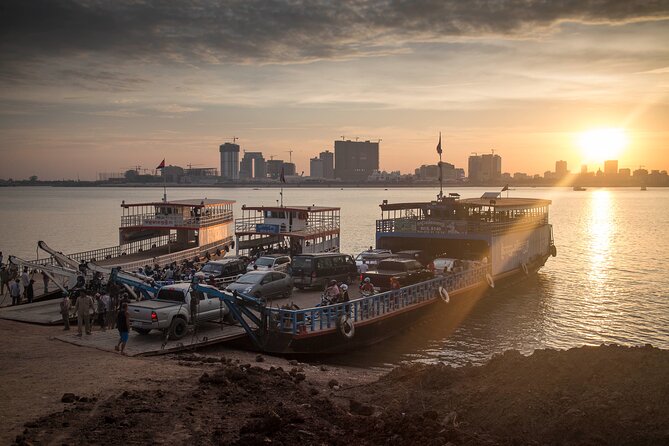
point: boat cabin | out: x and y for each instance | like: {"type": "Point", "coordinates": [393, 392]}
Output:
{"type": "Point", "coordinates": [290, 229]}
{"type": "Point", "coordinates": [178, 224]}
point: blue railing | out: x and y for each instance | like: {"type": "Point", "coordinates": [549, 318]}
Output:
{"type": "Point", "coordinates": [378, 305]}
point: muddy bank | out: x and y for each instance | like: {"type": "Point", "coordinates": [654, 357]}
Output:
{"type": "Point", "coordinates": [590, 395]}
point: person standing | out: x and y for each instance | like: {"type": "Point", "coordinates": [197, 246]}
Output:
{"type": "Point", "coordinates": [123, 325]}
{"type": "Point", "coordinates": [65, 311]}
{"type": "Point", "coordinates": [30, 291]}
{"type": "Point", "coordinates": [25, 281]}
{"type": "Point", "coordinates": [4, 280]}
{"type": "Point", "coordinates": [2, 258]}
{"type": "Point", "coordinates": [83, 308]}
{"type": "Point", "coordinates": [102, 312]}
{"type": "Point", "coordinates": [15, 291]}
{"type": "Point", "coordinates": [45, 281]}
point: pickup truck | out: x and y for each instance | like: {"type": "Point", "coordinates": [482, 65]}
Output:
{"type": "Point", "coordinates": [406, 271]}
{"type": "Point", "coordinates": [170, 311]}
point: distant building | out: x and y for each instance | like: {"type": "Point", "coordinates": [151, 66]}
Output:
{"type": "Point", "coordinates": [288, 169]}
{"type": "Point", "coordinates": [316, 169]}
{"type": "Point", "coordinates": [274, 168]}
{"type": "Point", "coordinates": [611, 167]}
{"type": "Point", "coordinates": [584, 168]}
{"type": "Point", "coordinates": [483, 168]}
{"type": "Point", "coordinates": [328, 164]}
{"type": "Point", "coordinates": [356, 160]}
{"type": "Point", "coordinates": [561, 169]}
{"type": "Point", "coordinates": [172, 174]}
{"type": "Point", "coordinates": [252, 166]}
{"type": "Point", "coordinates": [624, 173]}
{"type": "Point", "coordinates": [229, 161]}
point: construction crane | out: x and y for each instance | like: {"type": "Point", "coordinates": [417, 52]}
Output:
{"type": "Point", "coordinates": [190, 166]}
{"type": "Point", "coordinates": [290, 155]}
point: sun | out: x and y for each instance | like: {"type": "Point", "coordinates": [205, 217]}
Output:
{"type": "Point", "coordinates": [602, 144]}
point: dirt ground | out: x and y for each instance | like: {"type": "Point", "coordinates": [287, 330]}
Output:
{"type": "Point", "coordinates": [590, 396]}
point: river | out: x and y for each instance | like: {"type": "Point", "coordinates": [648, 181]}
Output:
{"type": "Point", "coordinates": [609, 282]}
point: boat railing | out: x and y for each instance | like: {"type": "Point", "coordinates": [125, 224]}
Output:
{"type": "Point", "coordinates": [158, 220]}
{"type": "Point", "coordinates": [112, 252]}
{"type": "Point", "coordinates": [429, 226]}
{"type": "Point", "coordinates": [375, 306]}
{"type": "Point", "coordinates": [250, 225]}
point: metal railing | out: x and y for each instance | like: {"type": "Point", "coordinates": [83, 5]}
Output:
{"type": "Point", "coordinates": [426, 226]}
{"type": "Point", "coordinates": [157, 220]}
{"type": "Point", "coordinates": [372, 307]}
{"type": "Point", "coordinates": [248, 225]}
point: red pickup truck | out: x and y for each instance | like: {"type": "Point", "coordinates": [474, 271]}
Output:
{"type": "Point", "coordinates": [405, 271]}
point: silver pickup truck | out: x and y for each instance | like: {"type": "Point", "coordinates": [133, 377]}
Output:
{"type": "Point", "coordinates": [170, 311]}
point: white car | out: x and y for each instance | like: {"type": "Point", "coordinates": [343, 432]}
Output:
{"type": "Point", "coordinates": [270, 263]}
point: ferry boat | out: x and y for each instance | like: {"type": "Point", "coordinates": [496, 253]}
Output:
{"type": "Point", "coordinates": [161, 233]}
{"type": "Point", "coordinates": [513, 235]}
{"type": "Point", "coordinates": [291, 229]}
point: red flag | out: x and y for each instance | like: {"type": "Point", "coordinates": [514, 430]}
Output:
{"type": "Point", "coordinates": [439, 145]}
{"type": "Point", "coordinates": [161, 165]}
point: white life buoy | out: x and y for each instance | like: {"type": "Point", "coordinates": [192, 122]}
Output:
{"type": "Point", "coordinates": [444, 294]}
{"type": "Point", "coordinates": [345, 326]}
{"type": "Point", "coordinates": [488, 278]}
{"type": "Point", "coordinates": [523, 266]}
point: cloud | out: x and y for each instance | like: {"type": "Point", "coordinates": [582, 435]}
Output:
{"type": "Point", "coordinates": [273, 31]}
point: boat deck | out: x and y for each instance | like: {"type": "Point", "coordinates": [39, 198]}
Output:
{"type": "Point", "coordinates": [42, 313]}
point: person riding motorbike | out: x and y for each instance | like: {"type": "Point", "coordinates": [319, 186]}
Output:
{"type": "Point", "coordinates": [332, 292]}
{"type": "Point", "coordinates": [367, 287]}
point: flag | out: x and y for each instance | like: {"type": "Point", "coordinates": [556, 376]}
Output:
{"type": "Point", "coordinates": [439, 145]}
{"type": "Point", "coordinates": [282, 177]}
{"type": "Point", "coordinates": [161, 165]}
{"type": "Point", "coordinates": [505, 188]}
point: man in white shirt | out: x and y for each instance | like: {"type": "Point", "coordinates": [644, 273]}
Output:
{"type": "Point", "coordinates": [25, 281]}
{"type": "Point", "coordinates": [15, 292]}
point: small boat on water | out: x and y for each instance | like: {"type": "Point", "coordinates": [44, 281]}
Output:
{"type": "Point", "coordinates": [578, 188]}
{"type": "Point", "coordinates": [643, 188]}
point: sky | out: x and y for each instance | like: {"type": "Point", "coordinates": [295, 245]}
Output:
{"type": "Point", "coordinates": [90, 86]}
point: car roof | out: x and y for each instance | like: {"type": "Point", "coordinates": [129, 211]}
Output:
{"type": "Point", "coordinates": [274, 256]}
{"type": "Point", "coordinates": [225, 261]}
{"type": "Point", "coordinates": [259, 273]}
{"type": "Point", "coordinates": [320, 254]}
{"type": "Point", "coordinates": [398, 259]}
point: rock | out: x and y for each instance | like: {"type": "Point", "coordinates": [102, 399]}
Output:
{"type": "Point", "coordinates": [260, 358]}
{"type": "Point", "coordinates": [84, 399]}
{"type": "Point", "coordinates": [68, 398]}
{"type": "Point", "coordinates": [324, 369]}
{"type": "Point", "coordinates": [360, 409]}
{"type": "Point", "coordinates": [30, 424]}
{"type": "Point", "coordinates": [336, 387]}
{"type": "Point", "coordinates": [333, 382]}
{"type": "Point", "coordinates": [313, 391]}
{"type": "Point", "coordinates": [300, 377]}
{"type": "Point", "coordinates": [293, 362]}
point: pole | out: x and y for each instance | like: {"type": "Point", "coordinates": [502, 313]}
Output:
{"type": "Point", "coordinates": [281, 193]}
{"type": "Point", "coordinates": [162, 171]}
{"type": "Point", "coordinates": [441, 179]}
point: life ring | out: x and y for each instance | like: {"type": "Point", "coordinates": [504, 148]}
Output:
{"type": "Point", "coordinates": [491, 282]}
{"type": "Point", "coordinates": [345, 326]}
{"type": "Point", "coordinates": [523, 266]}
{"type": "Point", "coordinates": [553, 251]}
{"type": "Point", "coordinates": [444, 294]}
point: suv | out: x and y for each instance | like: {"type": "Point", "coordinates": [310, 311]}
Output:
{"type": "Point", "coordinates": [315, 270]}
{"type": "Point", "coordinates": [371, 258]}
{"type": "Point", "coordinates": [275, 262]}
{"type": "Point", "coordinates": [224, 270]}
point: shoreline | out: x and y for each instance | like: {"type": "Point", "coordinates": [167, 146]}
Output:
{"type": "Point", "coordinates": [608, 394]}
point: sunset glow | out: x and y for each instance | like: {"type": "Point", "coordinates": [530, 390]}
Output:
{"type": "Point", "coordinates": [602, 144]}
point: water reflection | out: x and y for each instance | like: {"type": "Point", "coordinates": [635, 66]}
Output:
{"type": "Point", "coordinates": [600, 232]}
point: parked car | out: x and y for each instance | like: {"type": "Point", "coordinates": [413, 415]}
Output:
{"type": "Point", "coordinates": [264, 284]}
{"type": "Point", "coordinates": [316, 270]}
{"type": "Point", "coordinates": [223, 271]}
{"type": "Point", "coordinates": [275, 262]}
{"type": "Point", "coordinates": [371, 258]}
{"type": "Point", "coordinates": [170, 311]}
{"type": "Point", "coordinates": [405, 271]}
{"type": "Point", "coordinates": [416, 254]}
{"type": "Point", "coordinates": [442, 265]}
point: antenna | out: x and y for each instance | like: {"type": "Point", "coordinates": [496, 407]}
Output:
{"type": "Point", "coordinates": [234, 139]}
{"type": "Point", "coordinates": [290, 155]}
{"type": "Point", "coordinates": [343, 138]}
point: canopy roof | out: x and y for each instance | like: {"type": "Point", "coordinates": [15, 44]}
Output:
{"type": "Point", "coordinates": [191, 202]}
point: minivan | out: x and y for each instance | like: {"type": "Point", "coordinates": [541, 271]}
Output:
{"type": "Point", "coordinates": [316, 270]}
{"type": "Point", "coordinates": [225, 270]}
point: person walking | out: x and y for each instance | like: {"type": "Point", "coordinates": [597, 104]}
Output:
{"type": "Point", "coordinates": [25, 281]}
{"type": "Point", "coordinates": [15, 291]}
{"type": "Point", "coordinates": [83, 309]}
{"type": "Point", "coordinates": [65, 306]}
{"type": "Point", "coordinates": [123, 325]}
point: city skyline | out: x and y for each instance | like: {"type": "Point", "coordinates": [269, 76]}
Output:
{"type": "Point", "coordinates": [89, 88]}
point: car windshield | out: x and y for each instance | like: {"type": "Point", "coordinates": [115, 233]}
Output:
{"type": "Point", "coordinates": [302, 262]}
{"type": "Point", "coordinates": [265, 261]}
{"type": "Point", "coordinates": [250, 278]}
{"type": "Point", "coordinates": [212, 268]}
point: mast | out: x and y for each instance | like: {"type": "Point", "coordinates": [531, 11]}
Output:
{"type": "Point", "coordinates": [441, 174]}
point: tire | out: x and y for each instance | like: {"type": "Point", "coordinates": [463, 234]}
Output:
{"type": "Point", "coordinates": [177, 329]}
{"type": "Point", "coordinates": [142, 331]}
{"type": "Point", "coordinates": [345, 326]}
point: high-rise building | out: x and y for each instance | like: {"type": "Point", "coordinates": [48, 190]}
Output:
{"type": "Point", "coordinates": [288, 169]}
{"type": "Point", "coordinates": [625, 173]}
{"type": "Point", "coordinates": [561, 168]}
{"type": "Point", "coordinates": [229, 161]}
{"type": "Point", "coordinates": [274, 168]}
{"type": "Point", "coordinates": [584, 168]}
{"type": "Point", "coordinates": [328, 164]}
{"type": "Point", "coordinates": [355, 160]}
{"type": "Point", "coordinates": [252, 165]}
{"type": "Point", "coordinates": [611, 167]}
{"type": "Point", "coordinates": [316, 168]}
{"type": "Point", "coordinates": [483, 168]}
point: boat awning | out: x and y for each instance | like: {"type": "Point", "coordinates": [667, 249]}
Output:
{"type": "Point", "coordinates": [290, 208]}
{"type": "Point", "coordinates": [192, 202]}
{"type": "Point", "coordinates": [506, 203]}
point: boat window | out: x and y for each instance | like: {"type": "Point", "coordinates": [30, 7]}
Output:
{"type": "Point", "coordinates": [171, 295]}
